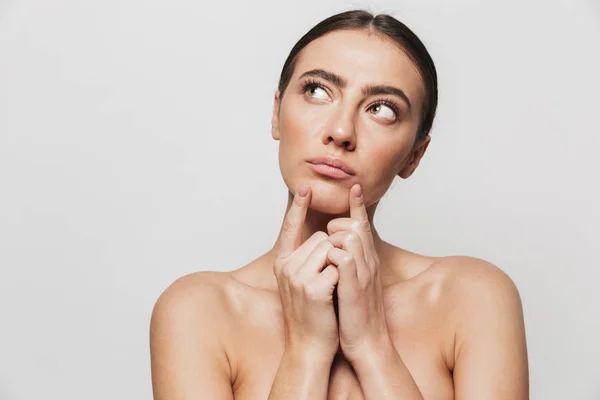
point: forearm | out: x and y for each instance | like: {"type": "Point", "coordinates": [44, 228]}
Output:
{"type": "Point", "coordinates": [383, 375]}
{"type": "Point", "coordinates": [301, 378]}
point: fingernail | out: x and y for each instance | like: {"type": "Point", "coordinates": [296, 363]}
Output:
{"type": "Point", "coordinates": [358, 193]}
{"type": "Point", "coordinates": [303, 190]}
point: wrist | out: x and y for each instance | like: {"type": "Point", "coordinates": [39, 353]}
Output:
{"type": "Point", "coordinates": [372, 353]}
{"type": "Point", "coordinates": [309, 358]}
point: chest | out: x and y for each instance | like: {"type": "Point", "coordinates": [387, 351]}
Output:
{"type": "Point", "coordinates": [418, 338]}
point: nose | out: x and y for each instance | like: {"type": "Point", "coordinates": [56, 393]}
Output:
{"type": "Point", "coordinates": [341, 130]}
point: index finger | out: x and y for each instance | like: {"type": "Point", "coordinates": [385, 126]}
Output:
{"type": "Point", "coordinates": [358, 209]}
{"type": "Point", "coordinates": [291, 231]}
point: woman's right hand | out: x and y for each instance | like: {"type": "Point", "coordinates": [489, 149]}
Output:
{"type": "Point", "coordinates": [306, 284]}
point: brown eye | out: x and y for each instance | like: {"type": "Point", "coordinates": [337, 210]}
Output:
{"type": "Point", "coordinates": [384, 110]}
{"type": "Point", "coordinates": [314, 89]}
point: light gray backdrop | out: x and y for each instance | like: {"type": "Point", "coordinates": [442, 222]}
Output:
{"type": "Point", "coordinates": [135, 148]}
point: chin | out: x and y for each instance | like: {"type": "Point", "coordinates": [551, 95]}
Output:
{"type": "Point", "coordinates": [329, 197]}
{"type": "Point", "coordinates": [328, 206]}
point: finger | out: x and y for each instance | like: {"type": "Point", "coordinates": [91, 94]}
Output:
{"type": "Point", "coordinates": [358, 222]}
{"type": "Point", "coordinates": [300, 255]}
{"type": "Point", "coordinates": [353, 225]}
{"type": "Point", "coordinates": [346, 265]}
{"type": "Point", "coordinates": [328, 278]}
{"type": "Point", "coordinates": [350, 243]}
{"type": "Point", "coordinates": [358, 211]}
{"type": "Point", "coordinates": [315, 263]}
{"type": "Point", "coordinates": [291, 231]}
{"type": "Point", "coordinates": [339, 224]}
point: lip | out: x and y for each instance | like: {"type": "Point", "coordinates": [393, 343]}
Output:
{"type": "Point", "coordinates": [331, 166]}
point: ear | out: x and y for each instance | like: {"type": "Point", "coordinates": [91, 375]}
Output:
{"type": "Point", "coordinates": [415, 157]}
{"type": "Point", "coordinates": [275, 118]}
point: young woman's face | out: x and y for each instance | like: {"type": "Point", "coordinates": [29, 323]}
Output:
{"type": "Point", "coordinates": [373, 133]}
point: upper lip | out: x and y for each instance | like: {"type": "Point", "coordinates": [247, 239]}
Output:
{"type": "Point", "coordinates": [332, 162]}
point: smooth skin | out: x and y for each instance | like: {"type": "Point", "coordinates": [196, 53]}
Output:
{"type": "Point", "coordinates": [409, 326]}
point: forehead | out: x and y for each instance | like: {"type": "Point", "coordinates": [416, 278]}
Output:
{"type": "Point", "coordinates": [362, 58]}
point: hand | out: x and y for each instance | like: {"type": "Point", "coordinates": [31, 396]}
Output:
{"type": "Point", "coordinates": [362, 323]}
{"type": "Point", "coordinates": [306, 283]}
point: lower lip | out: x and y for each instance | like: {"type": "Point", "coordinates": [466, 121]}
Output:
{"type": "Point", "coordinates": [329, 171]}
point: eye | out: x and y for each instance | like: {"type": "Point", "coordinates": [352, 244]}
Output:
{"type": "Point", "coordinates": [385, 109]}
{"type": "Point", "coordinates": [314, 88]}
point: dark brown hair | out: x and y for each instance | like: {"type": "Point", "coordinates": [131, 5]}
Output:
{"type": "Point", "coordinates": [389, 27]}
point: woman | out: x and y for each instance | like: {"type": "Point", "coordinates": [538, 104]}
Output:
{"type": "Point", "coordinates": [332, 311]}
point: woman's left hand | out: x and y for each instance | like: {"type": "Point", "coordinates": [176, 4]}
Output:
{"type": "Point", "coordinates": [362, 324]}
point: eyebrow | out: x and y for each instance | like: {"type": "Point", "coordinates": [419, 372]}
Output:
{"type": "Point", "coordinates": [368, 90]}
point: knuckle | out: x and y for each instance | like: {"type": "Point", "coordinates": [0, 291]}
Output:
{"type": "Point", "coordinates": [361, 225]}
{"type": "Point", "coordinates": [326, 245]}
{"type": "Point", "coordinates": [320, 235]}
{"type": "Point", "coordinates": [366, 225]}
{"type": "Point", "coordinates": [332, 269]}
{"type": "Point", "coordinates": [296, 284]}
{"type": "Point", "coordinates": [331, 250]}
{"type": "Point", "coordinates": [351, 237]}
{"type": "Point", "coordinates": [330, 225]}
{"type": "Point", "coordinates": [311, 292]}
{"type": "Point", "coordinates": [347, 258]}
{"type": "Point", "coordinates": [288, 225]}
{"type": "Point", "coordinates": [286, 272]}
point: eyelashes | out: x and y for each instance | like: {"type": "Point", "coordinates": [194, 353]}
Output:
{"type": "Point", "coordinates": [311, 83]}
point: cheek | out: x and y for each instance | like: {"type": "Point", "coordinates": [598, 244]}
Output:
{"type": "Point", "coordinates": [299, 126]}
{"type": "Point", "coordinates": [299, 123]}
{"type": "Point", "coordinates": [386, 161]}
{"type": "Point", "coordinates": [383, 163]}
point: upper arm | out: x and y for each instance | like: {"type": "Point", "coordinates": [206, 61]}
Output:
{"type": "Point", "coordinates": [187, 355]}
{"type": "Point", "coordinates": [491, 353]}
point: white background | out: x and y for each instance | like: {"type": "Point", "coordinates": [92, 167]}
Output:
{"type": "Point", "coordinates": [135, 148]}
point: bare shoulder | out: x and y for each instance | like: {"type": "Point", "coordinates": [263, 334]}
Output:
{"type": "Point", "coordinates": [204, 296]}
{"type": "Point", "coordinates": [483, 309]}
{"type": "Point", "coordinates": [189, 337]}
{"type": "Point", "coordinates": [484, 312]}
{"type": "Point", "coordinates": [470, 278]}
{"type": "Point", "coordinates": [457, 279]}
{"type": "Point", "coordinates": [200, 292]}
